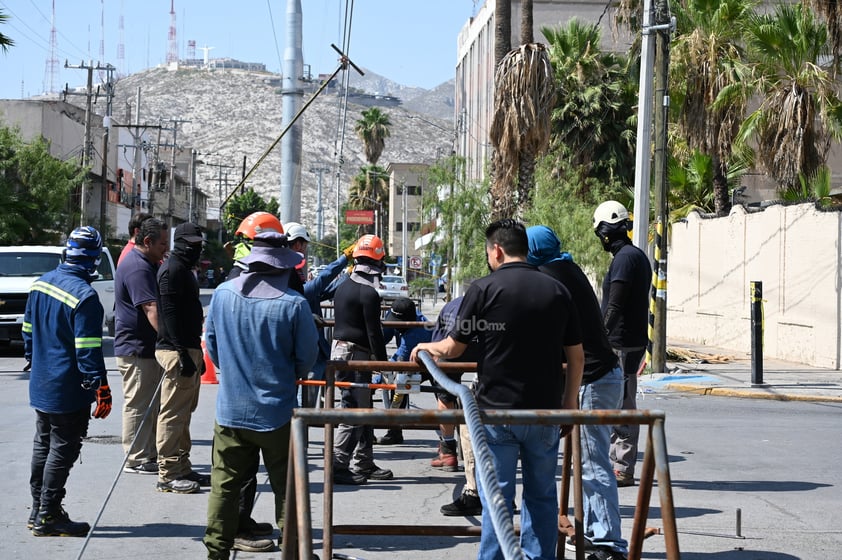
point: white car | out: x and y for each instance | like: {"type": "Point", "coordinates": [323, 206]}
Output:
{"type": "Point", "coordinates": [21, 265]}
{"type": "Point", "coordinates": [392, 287]}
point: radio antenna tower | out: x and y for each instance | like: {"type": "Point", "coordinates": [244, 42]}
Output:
{"type": "Point", "coordinates": [51, 70]}
{"type": "Point", "coordinates": [172, 51]}
{"type": "Point", "coordinates": [121, 46]}
{"type": "Point", "coordinates": [101, 60]}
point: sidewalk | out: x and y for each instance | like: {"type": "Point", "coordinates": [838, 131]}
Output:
{"type": "Point", "coordinates": [726, 373]}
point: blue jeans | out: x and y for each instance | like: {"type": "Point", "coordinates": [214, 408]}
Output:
{"type": "Point", "coordinates": [599, 485]}
{"type": "Point", "coordinates": [57, 443]}
{"type": "Point", "coordinates": [537, 448]}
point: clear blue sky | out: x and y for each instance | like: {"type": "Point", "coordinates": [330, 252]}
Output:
{"type": "Point", "coordinates": [412, 42]}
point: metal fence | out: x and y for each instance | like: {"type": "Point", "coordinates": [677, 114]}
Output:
{"type": "Point", "coordinates": [297, 535]}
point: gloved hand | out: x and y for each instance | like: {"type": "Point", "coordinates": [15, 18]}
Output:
{"type": "Point", "coordinates": [349, 251]}
{"type": "Point", "coordinates": [188, 368]}
{"type": "Point", "coordinates": [92, 382]}
{"type": "Point", "coordinates": [103, 401]}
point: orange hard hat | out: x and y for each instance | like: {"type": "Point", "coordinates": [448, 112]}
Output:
{"type": "Point", "coordinates": [259, 222]}
{"type": "Point", "coordinates": [370, 246]}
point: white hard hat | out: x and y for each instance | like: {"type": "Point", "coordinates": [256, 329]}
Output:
{"type": "Point", "coordinates": [610, 212]}
{"type": "Point", "coordinates": [294, 231]}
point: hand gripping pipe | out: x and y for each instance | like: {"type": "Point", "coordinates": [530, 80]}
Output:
{"type": "Point", "coordinates": [500, 519]}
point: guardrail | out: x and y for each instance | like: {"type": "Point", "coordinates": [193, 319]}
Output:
{"type": "Point", "coordinates": [297, 535]}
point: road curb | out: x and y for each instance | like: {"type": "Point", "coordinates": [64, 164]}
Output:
{"type": "Point", "coordinates": [752, 393]}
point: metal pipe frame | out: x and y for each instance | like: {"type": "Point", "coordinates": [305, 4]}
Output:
{"type": "Point", "coordinates": [298, 524]}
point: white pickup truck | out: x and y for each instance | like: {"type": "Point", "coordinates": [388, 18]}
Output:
{"type": "Point", "coordinates": [21, 265]}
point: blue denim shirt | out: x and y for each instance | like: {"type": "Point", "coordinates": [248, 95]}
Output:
{"type": "Point", "coordinates": [261, 335]}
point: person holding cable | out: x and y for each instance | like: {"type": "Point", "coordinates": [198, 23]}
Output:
{"type": "Point", "coordinates": [135, 334]}
{"type": "Point", "coordinates": [528, 328]}
{"type": "Point", "coordinates": [62, 336]}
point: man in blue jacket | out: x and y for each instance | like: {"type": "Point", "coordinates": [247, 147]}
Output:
{"type": "Point", "coordinates": [257, 390]}
{"type": "Point", "coordinates": [62, 336]}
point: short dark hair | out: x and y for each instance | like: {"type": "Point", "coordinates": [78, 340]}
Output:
{"type": "Point", "coordinates": [509, 234]}
{"type": "Point", "coordinates": [136, 220]}
{"type": "Point", "coordinates": [151, 228]}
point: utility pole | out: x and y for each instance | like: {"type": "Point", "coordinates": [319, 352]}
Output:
{"type": "Point", "coordinates": [663, 27]}
{"type": "Point", "coordinates": [220, 166]}
{"type": "Point", "coordinates": [87, 150]}
{"type": "Point", "coordinates": [320, 169]}
{"type": "Point", "coordinates": [642, 161]}
{"type": "Point", "coordinates": [171, 197]}
{"type": "Point", "coordinates": [106, 122]}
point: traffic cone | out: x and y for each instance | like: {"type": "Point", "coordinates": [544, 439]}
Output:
{"type": "Point", "coordinates": [209, 376]}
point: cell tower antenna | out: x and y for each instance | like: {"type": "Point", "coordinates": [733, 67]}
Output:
{"type": "Point", "coordinates": [51, 71]}
{"type": "Point", "coordinates": [172, 51]}
{"type": "Point", "coordinates": [121, 46]}
{"type": "Point", "coordinates": [191, 49]}
{"type": "Point", "coordinates": [102, 41]}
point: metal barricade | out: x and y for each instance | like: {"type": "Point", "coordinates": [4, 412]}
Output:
{"type": "Point", "coordinates": [297, 535]}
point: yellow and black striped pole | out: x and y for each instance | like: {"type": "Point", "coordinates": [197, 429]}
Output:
{"type": "Point", "coordinates": [656, 350]}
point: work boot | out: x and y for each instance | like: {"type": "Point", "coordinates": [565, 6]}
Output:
{"type": "Point", "coordinates": [33, 515]}
{"type": "Point", "coordinates": [447, 459]}
{"type": "Point", "coordinates": [392, 437]}
{"type": "Point", "coordinates": [464, 506]}
{"type": "Point", "coordinates": [251, 543]}
{"type": "Point", "coordinates": [55, 522]}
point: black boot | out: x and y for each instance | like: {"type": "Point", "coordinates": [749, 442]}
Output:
{"type": "Point", "coordinates": [393, 437]}
{"type": "Point", "coordinates": [54, 522]}
{"type": "Point", "coordinates": [33, 514]}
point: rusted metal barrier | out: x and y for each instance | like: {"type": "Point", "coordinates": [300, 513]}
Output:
{"type": "Point", "coordinates": [297, 534]}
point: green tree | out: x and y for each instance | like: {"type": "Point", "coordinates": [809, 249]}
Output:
{"type": "Point", "coordinates": [800, 110]}
{"type": "Point", "coordinates": [369, 190]}
{"type": "Point", "coordinates": [247, 203]}
{"type": "Point", "coordinates": [5, 40]}
{"type": "Point", "coordinates": [593, 128]}
{"type": "Point", "coordinates": [373, 129]}
{"type": "Point", "coordinates": [705, 59]}
{"type": "Point", "coordinates": [35, 191]}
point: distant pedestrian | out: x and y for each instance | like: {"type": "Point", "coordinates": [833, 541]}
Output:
{"type": "Point", "coordinates": [527, 326]}
{"type": "Point", "coordinates": [602, 389]}
{"type": "Point", "coordinates": [257, 390]}
{"type": "Point", "coordinates": [625, 311]}
{"type": "Point", "coordinates": [62, 336]}
{"type": "Point", "coordinates": [358, 335]}
{"type": "Point", "coordinates": [135, 335]}
{"type": "Point", "coordinates": [179, 351]}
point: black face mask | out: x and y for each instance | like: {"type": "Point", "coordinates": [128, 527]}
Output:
{"type": "Point", "coordinates": [189, 252]}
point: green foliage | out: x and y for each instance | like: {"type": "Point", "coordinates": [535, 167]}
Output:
{"type": "Point", "coordinates": [247, 203]}
{"type": "Point", "coordinates": [815, 188]}
{"type": "Point", "coordinates": [35, 191]}
{"type": "Point", "coordinates": [373, 129]}
{"type": "Point", "coordinates": [460, 212]}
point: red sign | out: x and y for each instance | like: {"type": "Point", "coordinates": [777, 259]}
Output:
{"type": "Point", "coordinates": [359, 217]}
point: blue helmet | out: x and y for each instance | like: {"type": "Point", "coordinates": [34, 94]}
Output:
{"type": "Point", "coordinates": [84, 248]}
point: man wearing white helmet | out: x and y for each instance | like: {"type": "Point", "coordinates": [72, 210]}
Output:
{"type": "Point", "coordinates": [625, 311]}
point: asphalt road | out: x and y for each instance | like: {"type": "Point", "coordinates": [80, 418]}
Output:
{"type": "Point", "coordinates": [776, 462]}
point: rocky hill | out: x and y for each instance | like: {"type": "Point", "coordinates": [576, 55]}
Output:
{"type": "Point", "coordinates": [236, 113]}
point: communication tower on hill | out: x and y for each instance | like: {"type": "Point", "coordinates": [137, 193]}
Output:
{"type": "Point", "coordinates": [172, 51]}
{"type": "Point", "coordinates": [191, 49]}
{"type": "Point", "coordinates": [121, 46]}
{"type": "Point", "coordinates": [51, 69]}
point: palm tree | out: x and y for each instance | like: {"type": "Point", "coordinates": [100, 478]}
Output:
{"type": "Point", "coordinates": [520, 129]}
{"type": "Point", "coordinates": [5, 40]}
{"type": "Point", "coordinates": [369, 188]}
{"type": "Point", "coordinates": [800, 109]}
{"type": "Point", "coordinates": [373, 129]}
{"type": "Point", "coordinates": [592, 124]}
{"type": "Point", "coordinates": [832, 13]}
{"type": "Point", "coordinates": [502, 30]}
{"type": "Point", "coordinates": [526, 25]}
{"type": "Point", "coordinates": [705, 60]}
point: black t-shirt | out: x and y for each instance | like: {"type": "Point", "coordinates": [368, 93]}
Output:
{"type": "Point", "coordinates": [523, 318]}
{"type": "Point", "coordinates": [599, 358]}
{"type": "Point", "coordinates": [180, 314]}
{"type": "Point", "coordinates": [356, 310]}
{"type": "Point", "coordinates": [631, 267]}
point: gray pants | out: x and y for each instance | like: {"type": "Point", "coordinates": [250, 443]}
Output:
{"type": "Point", "coordinates": [353, 441]}
{"type": "Point", "coordinates": [624, 437]}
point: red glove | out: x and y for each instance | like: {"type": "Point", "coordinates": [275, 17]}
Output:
{"type": "Point", "coordinates": [103, 401]}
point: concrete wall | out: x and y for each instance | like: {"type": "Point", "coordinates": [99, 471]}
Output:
{"type": "Point", "coordinates": [793, 250]}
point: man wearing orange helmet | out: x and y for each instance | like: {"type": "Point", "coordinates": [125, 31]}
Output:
{"type": "Point", "coordinates": [254, 223]}
{"type": "Point", "coordinates": [358, 336]}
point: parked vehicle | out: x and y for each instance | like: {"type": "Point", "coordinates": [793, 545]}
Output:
{"type": "Point", "coordinates": [20, 266]}
{"type": "Point", "coordinates": [392, 287]}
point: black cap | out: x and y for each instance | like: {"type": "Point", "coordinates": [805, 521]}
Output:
{"type": "Point", "coordinates": [403, 309]}
{"type": "Point", "coordinates": [188, 232]}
